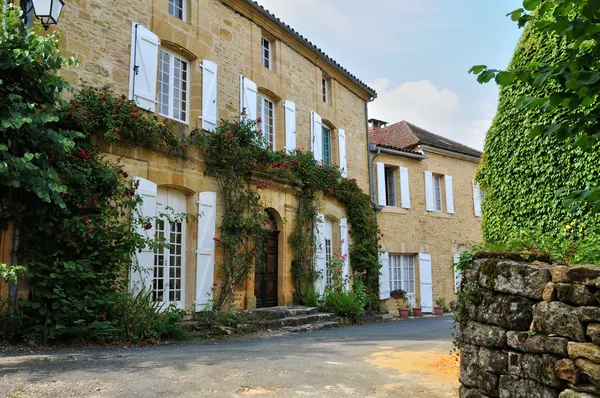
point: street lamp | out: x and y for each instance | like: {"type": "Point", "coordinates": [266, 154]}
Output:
{"type": "Point", "coordinates": [47, 11]}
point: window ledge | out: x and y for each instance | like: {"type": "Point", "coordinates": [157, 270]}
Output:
{"type": "Point", "coordinates": [439, 214]}
{"type": "Point", "coordinates": [394, 209]}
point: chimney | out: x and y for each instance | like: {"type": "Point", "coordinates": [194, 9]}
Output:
{"type": "Point", "coordinates": [376, 124]}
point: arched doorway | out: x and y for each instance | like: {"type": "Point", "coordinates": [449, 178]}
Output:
{"type": "Point", "coordinates": [266, 274]}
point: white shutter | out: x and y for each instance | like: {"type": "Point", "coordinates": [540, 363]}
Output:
{"type": "Point", "coordinates": [317, 136]}
{"type": "Point", "coordinates": [477, 199]}
{"type": "Point", "coordinates": [342, 152]}
{"type": "Point", "coordinates": [205, 252]}
{"type": "Point", "coordinates": [143, 67]}
{"type": "Point", "coordinates": [449, 195]}
{"type": "Point", "coordinates": [140, 273]}
{"type": "Point", "coordinates": [426, 282]}
{"type": "Point", "coordinates": [384, 276]}
{"type": "Point", "coordinates": [290, 126]}
{"type": "Point", "coordinates": [209, 95]}
{"type": "Point", "coordinates": [344, 248]}
{"type": "Point", "coordinates": [404, 188]}
{"type": "Point", "coordinates": [321, 261]}
{"type": "Point", "coordinates": [457, 273]}
{"type": "Point", "coordinates": [381, 198]}
{"type": "Point", "coordinates": [248, 97]}
{"type": "Point", "coordinates": [429, 197]}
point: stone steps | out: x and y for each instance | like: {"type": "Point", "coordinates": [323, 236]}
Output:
{"type": "Point", "coordinates": [311, 327]}
{"type": "Point", "coordinates": [286, 312]}
{"type": "Point", "coordinates": [298, 320]}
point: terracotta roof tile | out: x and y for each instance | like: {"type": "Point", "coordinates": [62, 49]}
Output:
{"type": "Point", "coordinates": [406, 136]}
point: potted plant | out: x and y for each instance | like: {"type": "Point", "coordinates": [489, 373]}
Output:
{"type": "Point", "coordinates": [417, 311]}
{"type": "Point", "coordinates": [402, 305]}
{"type": "Point", "coordinates": [398, 294]}
{"type": "Point", "coordinates": [438, 309]}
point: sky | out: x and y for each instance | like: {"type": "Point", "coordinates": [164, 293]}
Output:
{"type": "Point", "coordinates": [416, 54]}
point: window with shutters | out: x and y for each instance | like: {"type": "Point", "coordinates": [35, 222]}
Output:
{"type": "Point", "coordinates": [178, 8]}
{"type": "Point", "coordinates": [266, 52]}
{"type": "Point", "coordinates": [437, 192]}
{"type": "Point", "coordinates": [390, 186]}
{"type": "Point", "coordinates": [266, 115]}
{"type": "Point", "coordinates": [402, 273]}
{"type": "Point", "coordinates": [326, 145]}
{"type": "Point", "coordinates": [173, 86]}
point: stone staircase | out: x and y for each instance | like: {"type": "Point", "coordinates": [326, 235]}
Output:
{"type": "Point", "coordinates": [296, 319]}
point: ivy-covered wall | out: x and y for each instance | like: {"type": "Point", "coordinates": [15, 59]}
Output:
{"type": "Point", "coordinates": [521, 174]}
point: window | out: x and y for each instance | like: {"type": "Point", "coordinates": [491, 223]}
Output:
{"type": "Point", "coordinates": [177, 8]}
{"type": "Point", "coordinates": [437, 192]}
{"type": "Point", "coordinates": [173, 86]}
{"type": "Point", "coordinates": [390, 186]}
{"type": "Point", "coordinates": [266, 53]}
{"type": "Point", "coordinates": [326, 145]}
{"type": "Point", "coordinates": [329, 268]}
{"type": "Point", "coordinates": [168, 262]}
{"type": "Point", "coordinates": [325, 88]}
{"type": "Point", "coordinates": [402, 273]}
{"type": "Point", "coordinates": [266, 115]}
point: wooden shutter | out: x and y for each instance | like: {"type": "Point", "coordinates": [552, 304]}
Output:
{"type": "Point", "coordinates": [449, 194]}
{"type": "Point", "coordinates": [248, 97]}
{"type": "Point", "coordinates": [429, 196]}
{"type": "Point", "coordinates": [344, 248]}
{"type": "Point", "coordinates": [457, 273]}
{"type": "Point", "coordinates": [290, 126]}
{"type": "Point", "coordinates": [342, 152]}
{"type": "Point", "coordinates": [476, 199]}
{"type": "Point", "coordinates": [143, 67]}
{"type": "Point", "coordinates": [205, 252]}
{"type": "Point", "coordinates": [209, 95]}
{"type": "Point", "coordinates": [321, 261]}
{"type": "Point", "coordinates": [317, 136]}
{"type": "Point", "coordinates": [384, 276]}
{"type": "Point", "coordinates": [426, 282]}
{"type": "Point", "coordinates": [404, 188]}
{"type": "Point", "coordinates": [381, 197]}
{"type": "Point", "coordinates": [140, 273]}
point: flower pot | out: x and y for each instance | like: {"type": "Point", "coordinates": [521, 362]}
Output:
{"type": "Point", "coordinates": [417, 312]}
{"type": "Point", "coordinates": [438, 311]}
{"type": "Point", "coordinates": [403, 313]}
{"type": "Point", "coordinates": [397, 295]}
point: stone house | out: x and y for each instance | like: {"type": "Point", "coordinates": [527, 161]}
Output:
{"type": "Point", "coordinates": [430, 210]}
{"type": "Point", "coordinates": [196, 62]}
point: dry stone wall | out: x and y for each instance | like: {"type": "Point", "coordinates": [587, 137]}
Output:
{"type": "Point", "coordinates": [529, 330]}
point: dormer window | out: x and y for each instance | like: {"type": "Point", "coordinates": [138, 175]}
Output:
{"type": "Point", "coordinates": [177, 8]}
{"type": "Point", "coordinates": [267, 52]}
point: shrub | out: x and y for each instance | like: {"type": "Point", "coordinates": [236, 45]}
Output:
{"type": "Point", "coordinates": [344, 304]}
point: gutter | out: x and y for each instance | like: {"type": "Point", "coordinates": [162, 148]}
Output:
{"type": "Point", "coordinates": [469, 158]}
{"type": "Point", "coordinates": [399, 153]}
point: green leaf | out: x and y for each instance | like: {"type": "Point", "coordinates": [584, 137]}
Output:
{"type": "Point", "coordinates": [588, 77]}
{"type": "Point", "coordinates": [531, 5]}
{"type": "Point", "coordinates": [505, 78]}
{"type": "Point", "coordinates": [516, 14]}
{"type": "Point", "coordinates": [524, 102]}
{"type": "Point", "coordinates": [541, 78]}
{"type": "Point", "coordinates": [29, 156]}
{"type": "Point", "coordinates": [477, 69]}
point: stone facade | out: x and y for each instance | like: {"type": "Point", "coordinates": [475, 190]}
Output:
{"type": "Point", "coordinates": [540, 344]}
{"type": "Point", "coordinates": [228, 33]}
{"type": "Point", "coordinates": [441, 235]}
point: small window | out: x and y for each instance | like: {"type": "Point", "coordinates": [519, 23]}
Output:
{"type": "Point", "coordinates": [402, 273]}
{"type": "Point", "coordinates": [325, 87]}
{"type": "Point", "coordinates": [390, 186]}
{"type": "Point", "coordinates": [326, 145]}
{"type": "Point", "coordinates": [173, 86]}
{"type": "Point", "coordinates": [266, 115]}
{"type": "Point", "coordinates": [437, 192]}
{"type": "Point", "coordinates": [266, 53]}
{"type": "Point", "coordinates": [177, 8]}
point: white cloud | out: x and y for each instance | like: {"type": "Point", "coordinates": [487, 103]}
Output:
{"type": "Point", "coordinates": [440, 111]}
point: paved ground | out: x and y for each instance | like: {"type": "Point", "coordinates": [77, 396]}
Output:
{"type": "Point", "coordinates": [397, 359]}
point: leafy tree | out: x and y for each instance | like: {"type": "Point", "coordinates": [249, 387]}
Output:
{"type": "Point", "coordinates": [566, 85]}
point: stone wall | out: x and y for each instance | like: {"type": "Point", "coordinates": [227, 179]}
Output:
{"type": "Point", "coordinates": [529, 330]}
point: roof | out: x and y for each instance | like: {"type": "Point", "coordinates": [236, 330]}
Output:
{"type": "Point", "coordinates": [329, 60]}
{"type": "Point", "coordinates": [406, 136]}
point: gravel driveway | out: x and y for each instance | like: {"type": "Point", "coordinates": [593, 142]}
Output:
{"type": "Point", "coordinates": [402, 358]}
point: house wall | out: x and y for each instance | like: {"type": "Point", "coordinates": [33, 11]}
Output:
{"type": "Point", "coordinates": [415, 230]}
{"type": "Point", "coordinates": [227, 32]}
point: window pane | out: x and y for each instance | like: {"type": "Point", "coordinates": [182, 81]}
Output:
{"type": "Point", "coordinates": [437, 190]}
{"type": "Point", "coordinates": [176, 8]}
{"type": "Point", "coordinates": [164, 83]}
{"type": "Point", "coordinates": [266, 53]}
{"type": "Point", "coordinates": [325, 90]}
{"type": "Point", "coordinates": [326, 145]}
{"type": "Point", "coordinates": [328, 268]}
{"type": "Point", "coordinates": [390, 186]}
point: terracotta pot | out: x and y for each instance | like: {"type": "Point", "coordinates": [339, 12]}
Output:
{"type": "Point", "coordinates": [417, 312]}
{"type": "Point", "coordinates": [438, 311]}
{"type": "Point", "coordinates": [403, 313]}
{"type": "Point", "coordinates": [397, 296]}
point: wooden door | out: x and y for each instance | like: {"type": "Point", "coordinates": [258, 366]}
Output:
{"type": "Point", "coordinates": [265, 278]}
